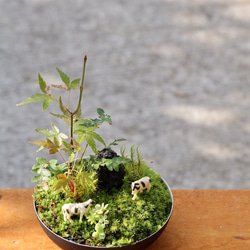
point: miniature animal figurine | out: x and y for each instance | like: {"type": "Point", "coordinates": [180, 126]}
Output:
{"type": "Point", "coordinates": [76, 208]}
{"type": "Point", "coordinates": [140, 185]}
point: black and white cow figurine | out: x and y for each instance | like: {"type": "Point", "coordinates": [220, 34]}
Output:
{"type": "Point", "coordinates": [140, 185]}
{"type": "Point", "coordinates": [76, 208]}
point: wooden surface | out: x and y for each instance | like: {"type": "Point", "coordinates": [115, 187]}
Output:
{"type": "Point", "coordinates": [201, 219]}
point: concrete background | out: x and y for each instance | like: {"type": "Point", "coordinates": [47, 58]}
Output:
{"type": "Point", "coordinates": [173, 75]}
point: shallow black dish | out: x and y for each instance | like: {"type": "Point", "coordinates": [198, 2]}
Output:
{"type": "Point", "coordinates": [139, 245]}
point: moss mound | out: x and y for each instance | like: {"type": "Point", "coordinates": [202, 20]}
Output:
{"type": "Point", "coordinates": [123, 221]}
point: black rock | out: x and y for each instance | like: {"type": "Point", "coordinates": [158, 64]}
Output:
{"type": "Point", "coordinates": [109, 179]}
{"type": "Point", "coordinates": [106, 154]}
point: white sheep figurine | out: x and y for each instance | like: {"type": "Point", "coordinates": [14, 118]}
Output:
{"type": "Point", "coordinates": [76, 208]}
{"type": "Point", "coordinates": [140, 185]}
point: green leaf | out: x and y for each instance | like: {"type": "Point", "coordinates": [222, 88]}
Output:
{"type": "Point", "coordinates": [45, 132]}
{"type": "Point", "coordinates": [114, 143]}
{"type": "Point", "coordinates": [33, 98]}
{"type": "Point", "coordinates": [41, 148]}
{"type": "Point", "coordinates": [78, 114]}
{"type": "Point", "coordinates": [100, 111]}
{"type": "Point", "coordinates": [80, 138]}
{"type": "Point", "coordinates": [36, 178]}
{"type": "Point", "coordinates": [42, 84]}
{"type": "Point", "coordinates": [74, 84]}
{"type": "Point", "coordinates": [62, 135]}
{"type": "Point", "coordinates": [91, 137]}
{"type": "Point", "coordinates": [102, 117]}
{"type": "Point", "coordinates": [63, 109]}
{"type": "Point", "coordinates": [98, 138]}
{"type": "Point", "coordinates": [63, 117]}
{"type": "Point", "coordinates": [66, 145]}
{"type": "Point", "coordinates": [116, 167]}
{"type": "Point", "coordinates": [36, 167]}
{"type": "Point", "coordinates": [64, 77]}
{"type": "Point", "coordinates": [58, 169]}
{"type": "Point", "coordinates": [80, 124]}
{"type": "Point", "coordinates": [60, 184]}
{"type": "Point", "coordinates": [47, 101]}
{"type": "Point", "coordinates": [109, 164]}
{"type": "Point", "coordinates": [53, 162]}
{"type": "Point", "coordinates": [43, 175]}
{"type": "Point", "coordinates": [91, 142]}
{"type": "Point", "coordinates": [41, 160]}
{"type": "Point", "coordinates": [58, 115]}
{"type": "Point", "coordinates": [44, 172]}
{"type": "Point", "coordinates": [55, 128]}
{"type": "Point", "coordinates": [71, 156]}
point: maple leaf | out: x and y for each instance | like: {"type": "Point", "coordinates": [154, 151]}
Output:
{"type": "Point", "coordinates": [54, 145]}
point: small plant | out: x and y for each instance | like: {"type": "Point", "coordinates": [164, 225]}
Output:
{"type": "Point", "coordinates": [83, 128]}
{"type": "Point", "coordinates": [104, 176]}
{"type": "Point", "coordinates": [98, 216]}
{"type": "Point", "coordinates": [81, 136]}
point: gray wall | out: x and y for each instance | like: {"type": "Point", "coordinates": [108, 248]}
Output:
{"type": "Point", "coordinates": [174, 76]}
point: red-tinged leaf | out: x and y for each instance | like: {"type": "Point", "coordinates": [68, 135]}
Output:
{"type": "Point", "coordinates": [53, 151]}
{"type": "Point", "coordinates": [49, 144]}
{"type": "Point", "coordinates": [71, 185]}
{"type": "Point", "coordinates": [57, 143]}
{"type": "Point", "coordinates": [63, 109]}
{"type": "Point", "coordinates": [62, 176]}
{"type": "Point", "coordinates": [77, 145]}
{"type": "Point", "coordinates": [40, 143]}
{"type": "Point", "coordinates": [42, 83]}
{"type": "Point", "coordinates": [63, 117]}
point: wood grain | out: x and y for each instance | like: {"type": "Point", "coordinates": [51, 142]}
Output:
{"type": "Point", "coordinates": [201, 219]}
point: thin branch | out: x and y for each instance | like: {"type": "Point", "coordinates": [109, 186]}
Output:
{"type": "Point", "coordinates": [81, 87]}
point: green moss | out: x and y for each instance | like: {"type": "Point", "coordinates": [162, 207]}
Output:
{"type": "Point", "coordinates": [128, 221]}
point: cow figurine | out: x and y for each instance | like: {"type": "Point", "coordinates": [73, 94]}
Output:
{"type": "Point", "coordinates": [140, 185]}
{"type": "Point", "coordinates": [76, 208]}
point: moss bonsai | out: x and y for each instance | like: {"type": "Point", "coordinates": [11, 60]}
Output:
{"type": "Point", "coordinates": [104, 176]}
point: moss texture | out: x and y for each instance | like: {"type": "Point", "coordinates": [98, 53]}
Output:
{"type": "Point", "coordinates": [123, 222]}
